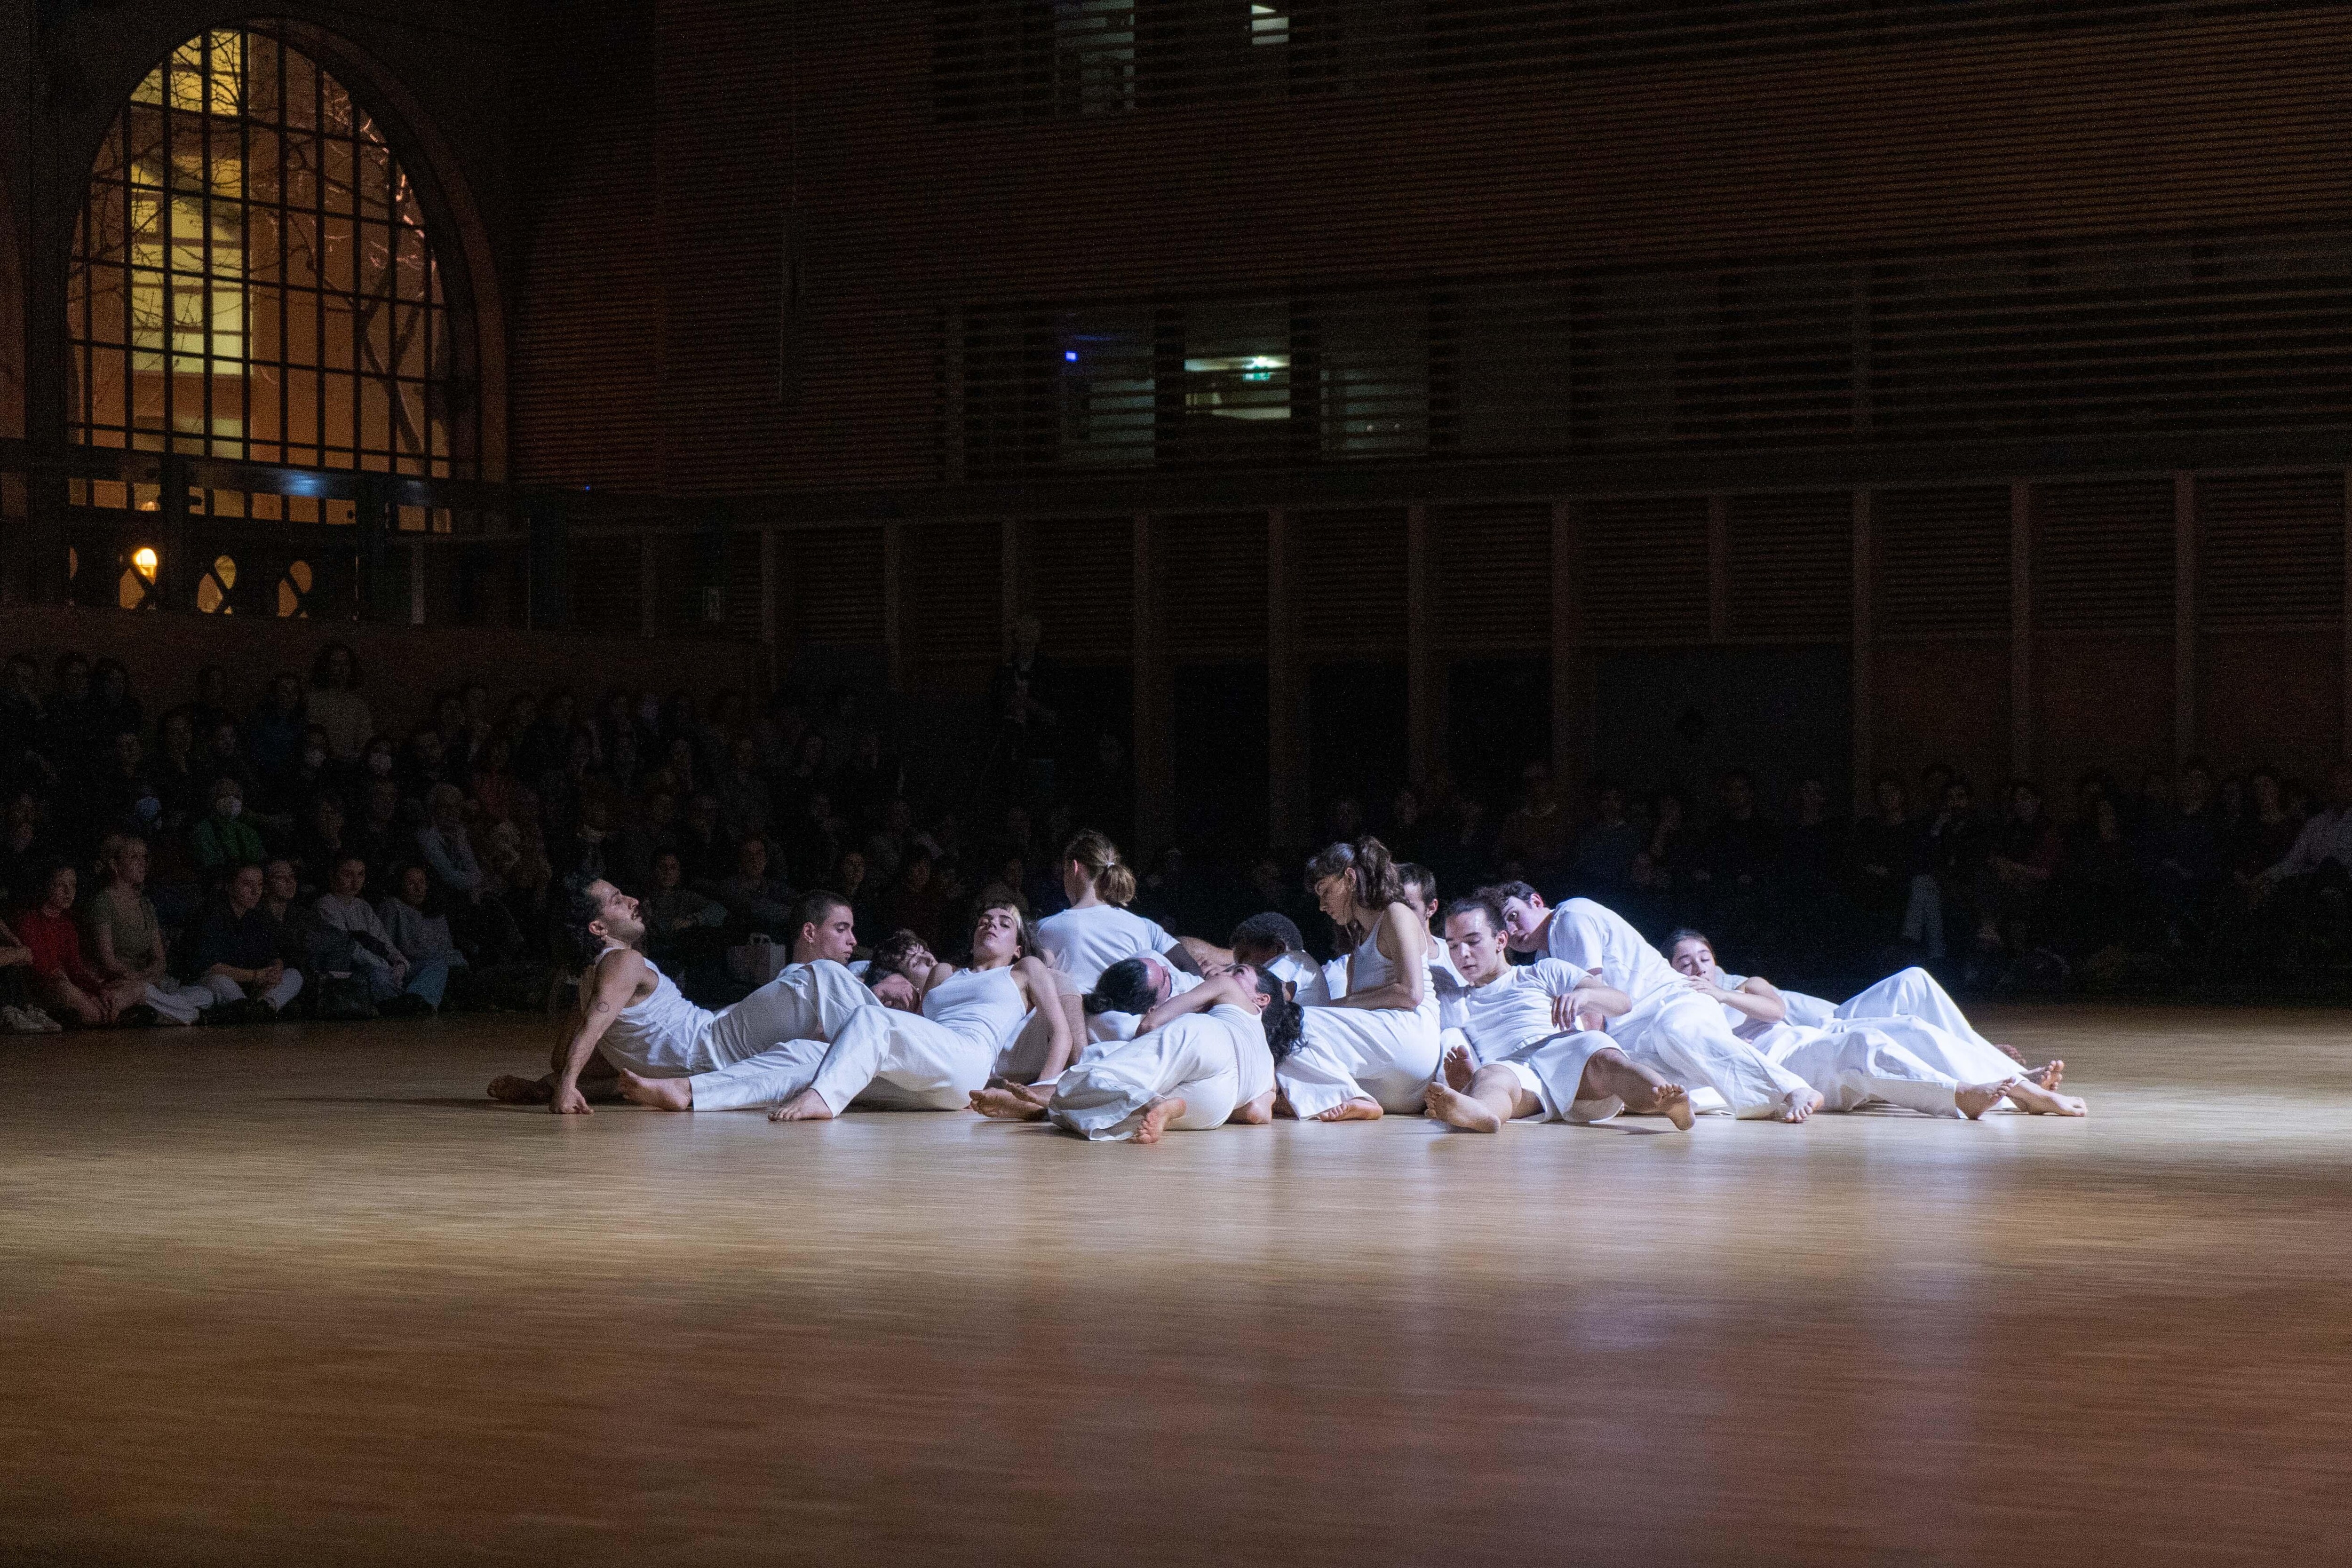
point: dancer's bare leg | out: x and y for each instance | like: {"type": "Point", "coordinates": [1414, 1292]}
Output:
{"type": "Point", "coordinates": [1156, 1119]}
{"type": "Point", "coordinates": [1609, 1074]}
{"type": "Point", "coordinates": [1254, 1113]}
{"type": "Point", "coordinates": [2029, 1095]}
{"type": "Point", "coordinates": [657, 1094]}
{"type": "Point", "coordinates": [1357, 1108]}
{"type": "Point", "coordinates": [808, 1105]}
{"type": "Point", "coordinates": [1796, 1105]}
{"type": "Point", "coordinates": [1975, 1099]}
{"type": "Point", "coordinates": [1493, 1098]}
{"type": "Point", "coordinates": [1007, 1105]}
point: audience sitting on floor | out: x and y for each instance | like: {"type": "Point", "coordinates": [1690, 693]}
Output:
{"type": "Point", "coordinates": [183, 862]}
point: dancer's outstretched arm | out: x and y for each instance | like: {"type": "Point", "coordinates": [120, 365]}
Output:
{"type": "Point", "coordinates": [619, 973]}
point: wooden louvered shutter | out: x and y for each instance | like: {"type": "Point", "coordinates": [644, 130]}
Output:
{"type": "Point", "coordinates": [1491, 567]}
{"type": "Point", "coordinates": [951, 602]}
{"type": "Point", "coordinates": [2271, 550]}
{"type": "Point", "coordinates": [1788, 568]}
{"type": "Point", "coordinates": [1645, 570]}
{"type": "Point", "coordinates": [832, 579]}
{"type": "Point", "coordinates": [1943, 562]}
{"type": "Point", "coordinates": [2102, 556]}
{"type": "Point", "coordinates": [1347, 577]}
{"type": "Point", "coordinates": [1077, 577]}
{"type": "Point", "coordinates": [1210, 575]}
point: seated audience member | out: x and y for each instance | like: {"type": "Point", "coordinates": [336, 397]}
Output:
{"type": "Point", "coordinates": [482, 922]}
{"type": "Point", "coordinates": [240, 954]}
{"type": "Point", "coordinates": [26, 850]}
{"type": "Point", "coordinates": [312, 776]}
{"type": "Point", "coordinates": [384, 838]}
{"type": "Point", "coordinates": [743, 792]}
{"type": "Point", "coordinates": [224, 838]}
{"type": "Point", "coordinates": [124, 940]}
{"type": "Point", "coordinates": [2321, 858]}
{"type": "Point", "coordinates": [63, 981]}
{"type": "Point", "coordinates": [415, 920]}
{"type": "Point", "coordinates": [754, 900]}
{"type": "Point", "coordinates": [1604, 850]}
{"type": "Point", "coordinates": [396, 984]}
{"type": "Point", "coordinates": [670, 908]}
{"type": "Point", "coordinates": [178, 772]}
{"type": "Point", "coordinates": [274, 733]}
{"type": "Point", "coordinates": [706, 853]}
{"type": "Point", "coordinates": [319, 841]}
{"type": "Point", "coordinates": [18, 1013]}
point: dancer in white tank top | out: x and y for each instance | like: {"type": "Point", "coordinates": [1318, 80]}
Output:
{"type": "Point", "coordinates": [666, 1052]}
{"type": "Point", "coordinates": [935, 1061]}
{"type": "Point", "coordinates": [1530, 1041]}
{"type": "Point", "coordinates": [1681, 1035]}
{"type": "Point", "coordinates": [1375, 1050]}
{"type": "Point", "coordinates": [1901, 1061]}
{"type": "Point", "coordinates": [1201, 1060]}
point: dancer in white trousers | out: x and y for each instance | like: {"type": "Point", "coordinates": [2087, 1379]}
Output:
{"type": "Point", "coordinates": [1530, 1041]}
{"type": "Point", "coordinates": [939, 1059]}
{"type": "Point", "coordinates": [1912, 994]}
{"type": "Point", "coordinates": [656, 1047]}
{"type": "Point", "coordinates": [1204, 1057]}
{"type": "Point", "coordinates": [1895, 1060]}
{"type": "Point", "coordinates": [1374, 1050]}
{"type": "Point", "coordinates": [1114, 1010]}
{"type": "Point", "coordinates": [1680, 1034]}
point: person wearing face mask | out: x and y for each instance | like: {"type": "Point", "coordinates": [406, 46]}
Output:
{"type": "Point", "coordinates": [224, 838]}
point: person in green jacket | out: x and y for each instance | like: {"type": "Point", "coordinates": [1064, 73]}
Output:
{"type": "Point", "coordinates": [224, 838]}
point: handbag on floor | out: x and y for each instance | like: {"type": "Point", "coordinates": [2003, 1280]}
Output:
{"type": "Point", "coordinates": [756, 961]}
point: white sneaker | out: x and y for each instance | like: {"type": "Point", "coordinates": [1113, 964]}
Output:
{"type": "Point", "coordinates": [18, 1022]}
{"type": "Point", "coordinates": [43, 1022]}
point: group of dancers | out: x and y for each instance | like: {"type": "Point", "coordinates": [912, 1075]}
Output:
{"type": "Point", "coordinates": [1104, 1024]}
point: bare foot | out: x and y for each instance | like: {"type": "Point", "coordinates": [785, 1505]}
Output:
{"type": "Point", "coordinates": [2034, 1100]}
{"type": "Point", "coordinates": [1006, 1105]}
{"type": "Point", "coordinates": [1356, 1110]}
{"type": "Point", "coordinates": [1796, 1105]}
{"type": "Point", "coordinates": [1459, 1069]}
{"type": "Point", "coordinates": [1975, 1099]}
{"type": "Point", "coordinates": [1156, 1119]}
{"type": "Point", "coordinates": [657, 1093]}
{"type": "Point", "coordinates": [808, 1105]}
{"type": "Point", "coordinates": [1456, 1109]}
{"type": "Point", "coordinates": [2050, 1074]}
{"type": "Point", "coordinates": [509, 1089]}
{"type": "Point", "coordinates": [1673, 1103]}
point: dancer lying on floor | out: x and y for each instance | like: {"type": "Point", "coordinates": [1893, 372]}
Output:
{"type": "Point", "coordinates": [1893, 1060]}
{"type": "Point", "coordinates": [638, 1038]}
{"type": "Point", "coordinates": [1192, 1066]}
{"type": "Point", "coordinates": [887, 1060]}
{"type": "Point", "coordinates": [1531, 1041]}
{"type": "Point", "coordinates": [1672, 1031]}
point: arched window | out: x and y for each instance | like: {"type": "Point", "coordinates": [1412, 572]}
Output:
{"type": "Point", "coordinates": [252, 277]}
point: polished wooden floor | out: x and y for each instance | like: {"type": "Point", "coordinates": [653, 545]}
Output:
{"type": "Point", "coordinates": [306, 1297]}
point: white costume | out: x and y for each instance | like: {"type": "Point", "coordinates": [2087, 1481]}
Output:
{"type": "Point", "coordinates": [1110, 1027]}
{"type": "Point", "coordinates": [1083, 942]}
{"type": "Point", "coordinates": [1908, 993]}
{"type": "Point", "coordinates": [1671, 1029]}
{"type": "Point", "coordinates": [1897, 1059]}
{"type": "Point", "coordinates": [1507, 1022]}
{"type": "Point", "coordinates": [1306, 978]}
{"type": "Point", "coordinates": [1383, 1054]}
{"type": "Point", "coordinates": [1214, 1062]}
{"type": "Point", "coordinates": [780, 1028]}
{"type": "Point", "coordinates": [899, 1061]}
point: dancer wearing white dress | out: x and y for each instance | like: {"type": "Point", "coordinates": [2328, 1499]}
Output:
{"type": "Point", "coordinates": [936, 1060]}
{"type": "Point", "coordinates": [659, 1050]}
{"type": "Point", "coordinates": [1125, 992]}
{"type": "Point", "coordinates": [1681, 1035]}
{"type": "Point", "coordinates": [1375, 1049]}
{"type": "Point", "coordinates": [1901, 1061]}
{"type": "Point", "coordinates": [1272, 942]}
{"type": "Point", "coordinates": [1515, 1059]}
{"type": "Point", "coordinates": [1203, 1058]}
{"type": "Point", "coordinates": [1911, 993]}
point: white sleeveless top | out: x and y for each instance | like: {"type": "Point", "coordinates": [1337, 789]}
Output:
{"type": "Point", "coordinates": [985, 1004]}
{"type": "Point", "coordinates": [664, 1036]}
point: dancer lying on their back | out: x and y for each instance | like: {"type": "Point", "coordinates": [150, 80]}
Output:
{"type": "Point", "coordinates": [1200, 1060]}
{"type": "Point", "coordinates": [1532, 1044]}
{"type": "Point", "coordinates": [638, 1038]}
{"type": "Point", "coordinates": [1903, 1062]}
{"type": "Point", "coordinates": [936, 1060]}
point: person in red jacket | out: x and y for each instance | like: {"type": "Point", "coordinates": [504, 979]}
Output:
{"type": "Point", "coordinates": [62, 980]}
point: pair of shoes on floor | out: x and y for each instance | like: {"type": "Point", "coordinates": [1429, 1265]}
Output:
{"type": "Point", "coordinates": [407, 1004]}
{"type": "Point", "coordinates": [29, 1021]}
